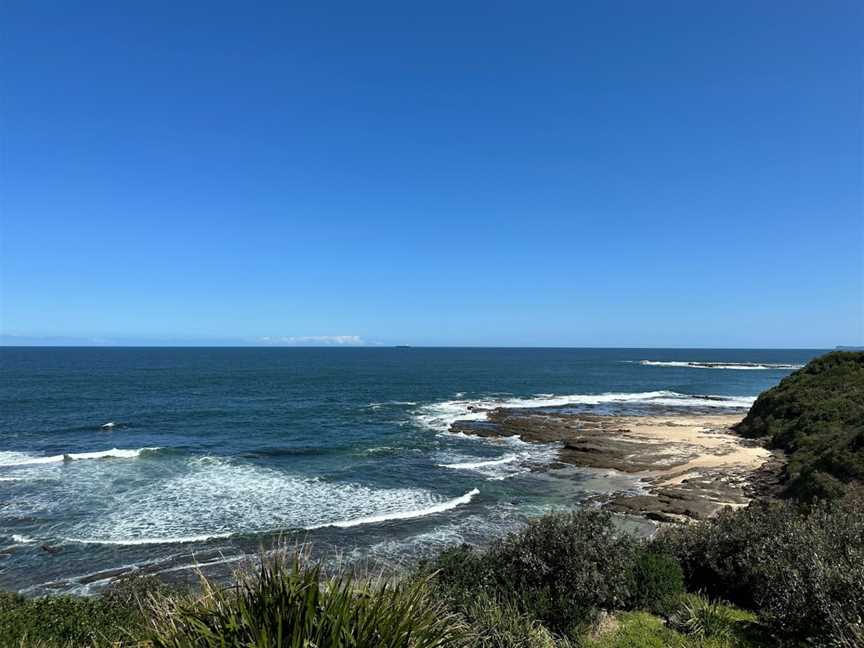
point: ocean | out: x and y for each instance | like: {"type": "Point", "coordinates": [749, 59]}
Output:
{"type": "Point", "coordinates": [157, 460]}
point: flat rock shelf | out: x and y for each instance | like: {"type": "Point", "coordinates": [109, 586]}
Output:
{"type": "Point", "coordinates": [689, 464]}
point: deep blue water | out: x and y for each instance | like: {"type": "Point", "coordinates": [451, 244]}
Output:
{"type": "Point", "coordinates": [217, 451]}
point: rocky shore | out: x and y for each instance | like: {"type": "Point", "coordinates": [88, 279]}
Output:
{"type": "Point", "coordinates": [690, 465]}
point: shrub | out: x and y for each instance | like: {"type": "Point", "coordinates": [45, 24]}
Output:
{"type": "Point", "coordinates": [461, 572]}
{"type": "Point", "coordinates": [657, 582]}
{"type": "Point", "coordinates": [722, 557]}
{"type": "Point", "coordinates": [561, 569]}
{"type": "Point", "coordinates": [803, 570]}
{"type": "Point", "coordinates": [814, 582]}
{"type": "Point", "coordinates": [285, 603]}
{"type": "Point", "coordinates": [73, 620]}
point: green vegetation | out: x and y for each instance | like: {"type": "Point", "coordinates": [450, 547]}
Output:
{"type": "Point", "coordinates": [802, 570]}
{"type": "Point", "coordinates": [697, 623]}
{"type": "Point", "coordinates": [561, 570]}
{"type": "Point", "coordinates": [286, 604]}
{"type": "Point", "coordinates": [74, 620]}
{"type": "Point", "coordinates": [658, 581]}
{"type": "Point", "coordinates": [568, 571]}
{"type": "Point", "coordinates": [817, 416]}
{"type": "Point", "coordinates": [567, 580]}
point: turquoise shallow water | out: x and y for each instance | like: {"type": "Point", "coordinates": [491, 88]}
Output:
{"type": "Point", "coordinates": [215, 452]}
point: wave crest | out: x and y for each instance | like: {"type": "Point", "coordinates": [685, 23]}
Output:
{"type": "Point", "coordinates": [476, 465]}
{"type": "Point", "coordinates": [407, 515]}
{"type": "Point", "coordinates": [741, 366]}
{"type": "Point", "coordinates": [438, 417]}
{"type": "Point", "coordinates": [9, 459]}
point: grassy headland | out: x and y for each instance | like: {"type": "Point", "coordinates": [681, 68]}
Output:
{"type": "Point", "coordinates": [774, 573]}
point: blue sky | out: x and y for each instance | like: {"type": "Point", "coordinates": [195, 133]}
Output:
{"type": "Point", "coordinates": [551, 174]}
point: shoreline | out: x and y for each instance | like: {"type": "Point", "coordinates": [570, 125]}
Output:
{"type": "Point", "coordinates": [689, 465]}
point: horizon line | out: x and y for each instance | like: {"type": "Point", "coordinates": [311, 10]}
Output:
{"type": "Point", "coordinates": [417, 346]}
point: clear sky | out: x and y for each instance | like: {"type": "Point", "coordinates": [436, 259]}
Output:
{"type": "Point", "coordinates": [448, 173]}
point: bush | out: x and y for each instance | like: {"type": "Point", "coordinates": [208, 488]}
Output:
{"type": "Point", "coordinates": [285, 603]}
{"type": "Point", "coordinates": [658, 581]}
{"type": "Point", "coordinates": [814, 583]}
{"type": "Point", "coordinates": [73, 620]}
{"type": "Point", "coordinates": [802, 570]}
{"type": "Point", "coordinates": [722, 556]}
{"type": "Point", "coordinates": [561, 569]}
{"type": "Point", "coordinates": [461, 573]}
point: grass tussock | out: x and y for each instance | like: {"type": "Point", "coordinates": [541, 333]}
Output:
{"type": "Point", "coordinates": [287, 603]}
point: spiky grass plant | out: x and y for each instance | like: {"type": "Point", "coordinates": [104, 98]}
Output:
{"type": "Point", "coordinates": [703, 618]}
{"type": "Point", "coordinates": [497, 624]}
{"type": "Point", "coordinates": [286, 602]}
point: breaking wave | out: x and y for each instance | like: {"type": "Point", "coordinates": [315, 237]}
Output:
{"type": "Point", "coordinates": [438, 417]}
{"type": "Point", "coordinates": [220, 498]}
{"type": "Point", "coordinates": [9, 459]}
{"type": "Point", "coordinates": [477, 465]}
{"type": "Point", "coordinates": [392, 403]}
{"type": "Point", "coordinates": [406, 515]}
{"type": "Point", "coordinates": [764, 366]}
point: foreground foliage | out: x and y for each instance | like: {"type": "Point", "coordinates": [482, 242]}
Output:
{"type": "Point", "coordinates": [76, 621]}
{"type": "Point", "coordinates": [803, 570]}
{"type": "Point", "coordinates": [286, 604]}
{"type": "Point", "coordinates": [566, 580]}
{"type": "Point", "coordinates": [562, 570]}
{"type": "Point", "coordinates": [816, 415]}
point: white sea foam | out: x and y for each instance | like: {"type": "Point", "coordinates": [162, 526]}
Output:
{"type": "Point", "coordinates": [183, 539]}
{"type": "Point", "coordinates": [8, 459]}
{"type": "Point", "coordinates": [477, 465]}
{"type": "Point", "coordinates": [524, 458]}
{"type": "Point", "coordinates": [504, 468]}
{"type": "Point", "coordinates": [440, 416]}
{"type": "Point", "coordinates": [406, 515]}
{"type": "Point", "coordinates": [744, 366]}
{"type": "Point", "coordinates": [221, 498]}
{"type": "Point", "coordinates": [22, 539]}
{"type": "Point", "coordinates": [389, 403]}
